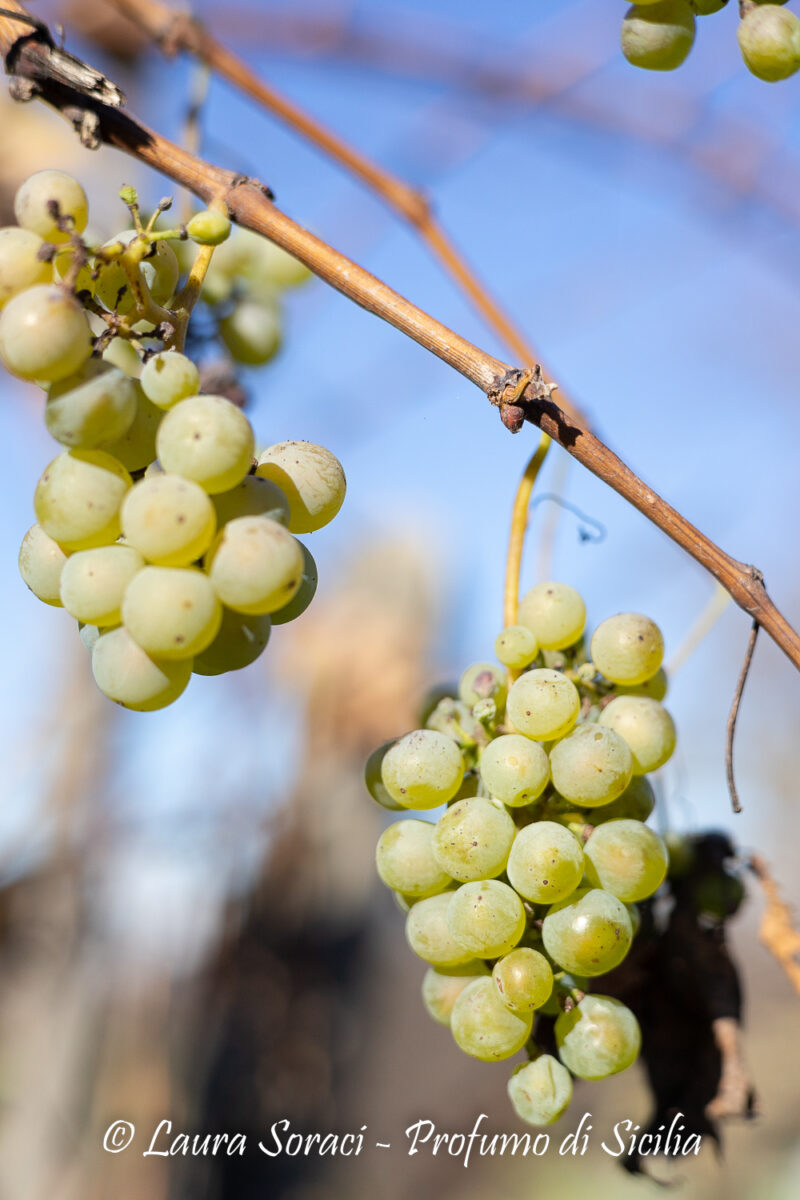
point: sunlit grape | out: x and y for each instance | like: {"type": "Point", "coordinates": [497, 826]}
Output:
{"type": "Point", "coordinates": [44, 334]}
{"type": "Point", "coordinates": [78, 498]}
{"type": "Point", "coordinates": [311, 478]}
{"type": "Point", "coordinates": [94, 407]}
{"type": "Point", "coordinates": [515, 769]}
{"type": "Point", "coordinates": [555, 613]}
{"type": "Point", "coordinates": [169, 519]}
{"type": "Point", "coordinates": [473, 838]}
{"type": "Point", "coordinates": [769, 39]}
{"type": "Point", "coordinates": [626, 858]}
{"type": "Point", "coordinates": [627, 648]}
{"type": "Point", "coordinates": [168, 377]}
{"type": "Point", "coordinates": [545, 863]}
{"type": "Point", "coordinates": [540, 1091]}
{"type": "Point", "coordinates": [516, 646]}
{"type": "Point", "coordinates": [20, 265]}
{"type": "Point", "coordinates": [171, 612]}
{"type": "Point", "coordinates": [599, 1037]}
{"type": "Point", "coordinates": [255, 565]}
{"type": "Point", "coordinates": [405, 861]}
{"type": "Point", "coordinates": [429, 936]}
{"type": "Point", "coordinates": [483, 681]}
{"type": "Point", "coordinates": [592, 766]}
{"type": "Point", "coordinates": [589, 933]}
{"type": "Point", "coordinates": [646, 726]}
{"type": "Point", "coordinates": [44, 197]}
{"type": "Point", "coordinates": [659, 36]}
{"type": "Point", "coordinates": [441, 988]}
{"type": "Point", "coordinates": [207, 439]}
{"type": "Point", "coordinates": [486, 917]}
{"type": "Point", "coordinates": [41, 561]}
{"type": "Point", "coordinates": [543, 704]}
{"type": "Point", "coordinates": [524, 979]}
{"type": "Point", "coordinates": [423, 769]}
{"type": "Point", "coordinates": [482, 1025]}
{"type": "Point", "coordinates": [93, 582]}
{"type": "Point", "coordinates": [125, 673]}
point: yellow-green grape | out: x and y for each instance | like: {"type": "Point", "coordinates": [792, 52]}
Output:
{"type": "Point", "coordinates": [627, 859]}
{"type": "Point", "coordinates": [516, 647]}
{"type": "Point", "coordinates": [137, 448]}
{"type": "Point", "coordinates": [252, 332]}
{"type": "Point", "coordinates": [423, 769]}
{"type": "Point", "coordinates": [304, 594]}
{"type": "Point", "coordinates": [472, 839]}
{"type": "Point", "coordinates": [35, 200]}
{"type": "Point", "coordinates": [429, 936]}
{"type": "Point", "coordinates": [78, 498]}
{"type": "Point", "coordinates": [171, 612]}
{"type": "Point", "coordinates": [125, 673]}
{"type": "Point", "coordinates": [168, 377]}
{"type": "Point", "coordinates": [592, 766]}
{"type": "Point", "coordinates": [486, 917]}
{"type": "Point", "coordinates": [524, 979]}
{"type": "Point", "coordinates": [599, 1037]}
{"type": "Point", "coordinates": [636, 803]}
{"type": "Point", "coordinates": [374, 781]}
{"type": "Point", "coordinates": [239, 642]}
{"type": "Point", "coordinates": [20, 266]}
{"type": "Point", "coordinates": [627, 648]}
{"type": "Point", "coordinates": [93, 407]}
{"type": "Point", "coordinates": [255, 565]}
{"type": "Point", "coordinates": [441, 989]}
{"type": "Point", "coordinates": [405, 862]}
{"type": "Point", "coordinates": [62, 268]}
{"type": "Point", "coordinates": [540, 1091]}
{"type": "Point", "coordinates": [646, 726]}
{"type": "Point", "coordinates": [515, 769]}
{"type": "Point", "coordinates": [207, 439]}
{"type": "Point", "coordinates": [169, 519]}
{"type": "Point", "coordinates": [655, 687]}
{"type": "Point", "coordinates": [41, 561]}
{"type": "Point", "coordinates": [659, 36]}
{"type": "Point", "coordinates": [705, 8]}
{"type": "Point", "coordinates": [483, 681]}
{"type": "Point", "coordinates": [159, 271]}
{"type": "Point", "coordinates": [482, 1025]}
{"type": "Point", "coordinates": [256, 258]}
{"type": "Point", "coordinates": [254, 496]}
{"type": "Point", "coordinates": [208, 228]}
{"type": "Point", "coordinates": [555, 613]}
{"type": "Point", "coordinates": [44, 334]}
{"type": "Point", "coordinates": [93, 582]}
{"type": "Point", "coordinates": [546, 863]}
{"type": "Point", "coordinates": [589, 933]}
{"type": "Point", "coordinates": [120, 353]}
{"type": "Point", "coordinates": [311, 478]}
{"type": "Point", "coordinates": [769, 39]}
{"type": "Point", "coordinates": [543, 704]}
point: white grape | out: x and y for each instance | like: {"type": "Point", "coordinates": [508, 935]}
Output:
{"type": "Point", "coordinates": [540, 1091]}
{"type": "Point", "coordinates": [255, 565]}
{"type": "Point", "coordinates": [93, 582]}
{"type": "Point", "coordinates": [207, 439]}
{"type": "Point", "coordinates": [627, 648]}
{"type": "Point", "coordinates": [252, 497]}
{"type": "Point", "coordinates": [20, 266]}
{"type": "Point", "coordinates": [78, 498]}
{"type": "Point", "coordinates": [592, 766]}
{"type": "Point", "coordinates": [423, 769]}
{"type": "Point", "coordinates": [169, 519]}
{"type": "Point", "coordinates": [658, 37]}
{"type": "Point", "coordinates": [41, 561]}
{"type": "Point", "coordinates": [515, 769]}
{"type": "Point", "coordinates": [33, 204]}
{"type": "Point", "coordinates": [93, 407]}
{"type": "Point", "coordinates": [405, 861]}
{"type": "Point", "coordinates": [125, 673]}
{"type": "Point", "coordinates": [311, 478]}
{"type": "Point", "coordinates": [543, 704]}
{"type": "Point", "coordinates": [171, 612]}
{"type": "Point", "coordinates": [137, 448]}
{"type": "Point", "coordinates": [555, 613]}
{"type": "Point", "coordinates": [44, 334]}
{"type": "Point", "coordinates": [646, 726]}
{"type": "Point", "coordinates": [168, 377]}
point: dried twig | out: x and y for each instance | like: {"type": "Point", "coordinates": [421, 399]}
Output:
{"type": "Point", "coordinates": [777, 930]}
{"type": "Point", "coordinates": [734, 713]}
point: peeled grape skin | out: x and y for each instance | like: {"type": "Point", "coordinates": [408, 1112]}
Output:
{"type": "Point", "coordinates": [769, 39]}
{"type": "Point", "coordinates": [627, 859]}
{"type": "Point", "coordinates": [543, 704]}
{"type": "Point", "coordinates": [486, 917]}
{"type": "Point", "coordinates": [524, 979]}
{"type": "Point", "coordinates": [441, 988]}
{"type": "Point", "coordinates": [428, 933]}
{"type": "Point", "coordinates": [659, 36]}
{"type": "Point", "coordinates": [627, 648]}
{"type": "Point", "coordinates": [555, 613]}
{"type": "Point", "coordinates": [646, 726]}
{"type": "Point", "coordinates": [472, 839]}
{"type": "Point", "coordinates": [540, 1091]}
{"type": "Point", "coordinates": [599, 1037]}
{"type": "Point", "coordinates": [482, 1025]}
{"type": "Point", "coordinates": [423, 769]}
{"type": "Point", "coordinates": [515, 769]}
{"type": "Point", "coordinates": [405, 862]}
{"type": "Point", "coordinates": [589, 933]}
{"type": "Point", "coordinates": [546, 862]}
{"type": "Point", "coordinates": [591, 766]}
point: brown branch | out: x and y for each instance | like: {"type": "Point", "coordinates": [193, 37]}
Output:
{"type": "Point", "coordinates": [777, 931]}
{"type": "Point", "coordinates": [734, 713]}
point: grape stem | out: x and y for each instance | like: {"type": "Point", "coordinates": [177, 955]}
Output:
{"type": "Point", "coordinates": [734, 713]}
{"type": "Point", "coordinates": [516, 539]}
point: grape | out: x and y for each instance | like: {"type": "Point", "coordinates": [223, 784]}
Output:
{"type": "Point", "coordinates": [483, 681]}
{"type": "Point", "coordinates": [304, 594]}
{"type": "Point", "coordinates": [473, 838]}
{"type": "Point", "coordinates": [255, 257]}
{"type": "Point", "coordinates": [627, 648]}
{"type": "Point", "coordinates": [627, 859]}
{"type": "Point", "coordinates": [138, 446]}
{"type": "Point", "coordinates": [44, 334]}
{"type": "Point", "coordinates": [589, 933]}
{"type": "Point", "coordinates": [592, 766]}
{"type": "Point", "coordinates": [441, 989]}
{"type": "Point", "coordinates": [769, 39]}
{"type": "Point", "coordinates": [514, 769]}
{"type": "Point", "coordinates": [599, 1037]}
{"type": "Point", "coordinates": [429, 936]}
{"type": "Point", "coordinates": [208, 228]}
{"type": "Point", "coordinates": [524, 979]}
{"type": "Point", "coordinates": [63, 263]}
{"type": "Point", "coordinates": [486, 917]}
{"type": "Point", "coordinates": [374, 782]}
{"type": "Point", "coordinates": [159, 271]}
{"type": "Point", "coordinates": [169, 519]}
{"type": "Point", "coordinates": [93, 582]}
{"type": "Point", "coordinates": [89, 635]}
{"type": "Point", "coordinates": [20, 266]}
{"type": "Point", "coordinates": [41, 561]}
{"type": "Point", "coordinates": [546, 862]}
{"type": "Point", "coordinates": [516, 647]}
{"type": "Point", "coordinates": [646, 726]}
{"type": "Point", "coordinates": [240, 641]}
{"type": "Point", "coordinates": [659, 36]}
{"type": "Point", "coordinates": [636, 803]}
{"type": "Point", "coordinates": [543, 704]}
{"type": "Point", "coordinates": [704, 8]}
{"type": "Point", "coordinates": [555, 613]}
{"type": "Point", "coordinates": [168, 377]}
{"type": "Point", "coordinates": [34, 199]}
{"type": "Point", "coordinates": [405, 861]}
{"type": "Point", "coordinates": [311, 478]}
{"type": "Point", "coordinates": [77, 499]}
{"type": "Point", "coordinates": [171, 612]}
{"type": "Point", "coordinates": [94, 406]}
{"type": "Point", "coordinates": [120, 353]}
{"type": "Point", "coordinates": [423, 769]}
{"type": "Point", "coordinates": [252, 497]}
{"type": "Point", "coordinates": [207, 439]}
{"type": "Point", "coordinates": [655, 687]}
{"type": "Point", "coordinates": [255, 565]}
{"type": "Point", "coordinates": [540, 1091]}
{"type": "Point", "coordinates": [252, 332]}
{"type": "Point", "coordinates": [482, 1025]}
{"type": "Point", "coordinates": [125, 673]}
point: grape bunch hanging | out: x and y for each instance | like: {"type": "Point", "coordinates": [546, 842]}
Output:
{"type": "Point", "coordinates": [524, 892]}
{"type": "Point", "coordinates": [156, 527]}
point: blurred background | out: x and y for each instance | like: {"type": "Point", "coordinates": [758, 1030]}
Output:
{"type": "Point", "coordinates": [190, 924]}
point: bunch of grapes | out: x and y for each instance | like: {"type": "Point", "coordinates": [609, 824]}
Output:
{"type": "Point", "coordinates": [658, 35]}
{"type": "Point", "coordinates": [525, 891]}
{"type": "Point", "coordinates": [157, 528]}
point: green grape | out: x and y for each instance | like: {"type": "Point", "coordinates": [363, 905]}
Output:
{"type": "Point", "coordinates": [207, 439]}
{"type": "Point", "coordinates": [20, 266]}
{"type": "Point", "coordinates": [486, 917]}
{"type": "Point", "coordinates": [252, 497]}
{"type": "Point", "coordinates": [169, 519]}
{"type": "Point", "coordinates": [441, 989]}
{"type": "Point", "coordinates": [636, 803]}
{"type": "Point", "coordinates": [33, 204]}
{"type": "Point", "coordinates": [483, 681]}
{"type": "Point", "coordinates": [62, 268]}
{"type": "Point", "coordinates": [208, 228]}
{"type": "Point", "coordinates": [252, 332]}
{"type": "Point", "coordinates": [599, 1037]}
{"type": "Point", "coordinates": [41, 561]}
{"type": "Point", "coordinates": [627, 859]}
{"type": "Point", "coordinates": [705, 8]}
{"type": "Point", "coordinates": [524, 979]}
{"type": "Point", "coordinates": [555, 613]}
{"type": "Point", "coordinates": [659, 36]}
{"type": "Point", "coordinates": [256, 258]}
{"type": "Point", "coordinates": [405, 861]}
{"type": "Point", "coordinates": [93, 582]}
{"type": "Point", "coordinates": [482, 1025]}
{"type": "Point", "coordinates": [137, 448]}
{"type": "Point", "coordinates": [514, 769]}
{"type": "Point", "coordinates": [516, 647]}
{"type": "Point", "coordinates": [627, 648]}
{"type": "Point", "coordinates": [433, 698]}
{"type": "Point", "coordinates": [429, 936]}
{"type": "Point", "coordinates": [168, 377]}
{"type": "Point", "coordinates": [655, 687]}
{"type": "Point", "coordinates": [159, 270]}
{"type": "Point", "coordinates": [241, 639]}
{"type": "Point", "coordinates": [125, 673]}
{"type": "Point", "coordinates": [473, 838]}
{"type": "Point", "coordinates": [374, 781]}
{"type": "Point", "coordinates": [78, 498]}
{"type": "Point", "coordinates": [171, 612]}
{"type": "Point", "coordinates": [540, 1091]}
{"type": "Point", "coordinates": [44, 334]}
{"type": "Point", "coordinates": [311, 478]}
{"type": "Point", "coordinates": [255, 565]}
{"type": "Point", "coordinates": [423, 769]}
{"type": "Point", "coordinates": [592, 766]}
{"type": "Point", "coordinates": [91, 408]}
{"type": "Point", "coordinates": [120, 353]}
{"type": "Point", "coordinates": [304, 594]}
{"type": "Point", "coordinates": [546, 862]}
{"type": "Point", "coordinates": [589, 933]}
{"type": "Point", "coordinates": [543, 704]}
{"type": "Point", "coordinates": [646, 726]}
{"type": "Point", "coordinates": [455, 718]}
{"type": "Point", "coordinates": [769, 39]}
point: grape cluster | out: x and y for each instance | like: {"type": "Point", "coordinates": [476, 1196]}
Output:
{"type": "Point", "coordinates": [156, 527]}
{"type": "Point", "coordinates": [525, 890]}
